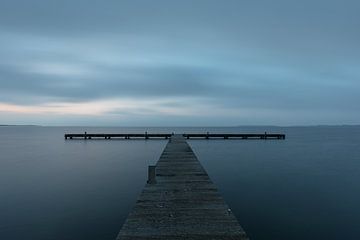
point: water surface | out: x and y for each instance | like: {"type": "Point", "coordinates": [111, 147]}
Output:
{"type": "Point", "coordinates": [304, 187]}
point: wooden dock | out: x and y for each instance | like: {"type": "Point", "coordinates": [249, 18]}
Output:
{"type": "Point", "coordinates": [116, 135]}
{"type": "Point", "coordinates": [168, 135]}
{"type": "Point", "coordinates": [234, 136]}
{"type": "Point", "coordinates": [180, 202]}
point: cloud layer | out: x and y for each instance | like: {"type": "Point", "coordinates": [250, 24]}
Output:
{"type": "Point", "coordinates": [180, 62]}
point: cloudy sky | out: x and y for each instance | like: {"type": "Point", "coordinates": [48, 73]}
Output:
{"type": "Point", "coordinates": [191, 63]}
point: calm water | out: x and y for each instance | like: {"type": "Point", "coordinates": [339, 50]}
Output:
{"type": "Point", "coordinates": [306, 187]}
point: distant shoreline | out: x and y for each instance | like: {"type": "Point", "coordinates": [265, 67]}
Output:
{"type": "Point", "coordinates": [15, 125]}
{"type": "Point", "coordinates": [238, 126]}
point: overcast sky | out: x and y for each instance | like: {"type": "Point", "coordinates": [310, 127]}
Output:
{"type": "Point", "coordinates": [203, 62]}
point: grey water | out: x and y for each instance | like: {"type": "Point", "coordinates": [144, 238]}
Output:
{"type": "Point", "coordinates": [304, 187]}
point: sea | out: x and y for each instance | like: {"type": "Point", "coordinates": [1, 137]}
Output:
{"type": "Point", "coordinates": [304, 187]}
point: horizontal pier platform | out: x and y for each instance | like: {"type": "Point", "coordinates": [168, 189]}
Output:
{"type": "Point", "coordinates": [168, 135]}
{"type": "Point", "coordinates": [234, 136]}
{"type": "Point", "coordinates": [116, 135]}
{"type": "Point", "coordinates": [180, 201]}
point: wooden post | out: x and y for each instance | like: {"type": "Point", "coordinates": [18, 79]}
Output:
{"type": "Point", "coordinates": [151, 175]}
{"type": "Point", "coordinates": [146, 135]}
{"type": "Point", "coordinates": [85, 136]}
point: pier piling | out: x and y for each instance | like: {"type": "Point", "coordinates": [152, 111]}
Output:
{"type": "Point", "coordinates": [151, 175]}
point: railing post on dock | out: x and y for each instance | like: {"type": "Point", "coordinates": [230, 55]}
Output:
{"type": "Point", "coordinates": [85, 136]}
{"type": "Point", "coordinates": [207, 135]}
{"type": "Point", "coordinates": [146, 135]}
{"type": "Point", "coordinates": [151, 175]}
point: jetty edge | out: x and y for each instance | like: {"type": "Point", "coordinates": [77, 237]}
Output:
{"type": "Point", "coordinates": [179, 201]}
{"type": "Point", "coordinates": [147, 135]}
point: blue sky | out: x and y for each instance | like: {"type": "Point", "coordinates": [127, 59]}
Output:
{"type": "Point", "coordinates": [179, 63]}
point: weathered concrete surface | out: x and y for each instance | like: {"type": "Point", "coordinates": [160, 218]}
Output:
{"type": "Point", "coordinates": [183, 204]}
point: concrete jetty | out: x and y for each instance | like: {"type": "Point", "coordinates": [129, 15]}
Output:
{"type": "Point", "coordinates": [180, 201]}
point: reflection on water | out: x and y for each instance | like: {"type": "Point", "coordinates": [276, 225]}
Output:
{"type": "Point", "coordinates": [303, 187]}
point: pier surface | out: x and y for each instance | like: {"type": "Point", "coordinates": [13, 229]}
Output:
{"type": "Point", "coordinates": [168, 135]}
{"type": "Point", "coordinates": [116, 135]}
{"type": "Point", "coordinates": [181, 203]}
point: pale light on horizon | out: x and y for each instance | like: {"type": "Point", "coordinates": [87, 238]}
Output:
{"type": "Point", "coordinates": [238, 68]}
